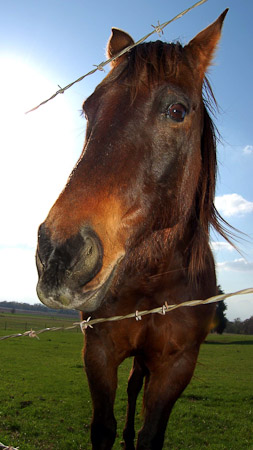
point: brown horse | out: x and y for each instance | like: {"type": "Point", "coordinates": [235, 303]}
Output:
{"type": "Point", "coordinates": [131, 229]}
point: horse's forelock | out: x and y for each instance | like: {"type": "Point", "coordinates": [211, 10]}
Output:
{"type": "Point", "coordinates": [147, 64]}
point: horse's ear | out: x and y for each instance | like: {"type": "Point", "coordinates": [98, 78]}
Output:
{"type": "Point", "coordinates": [203, 46]}
{"type": "Point", "coordinates": [119, 40]}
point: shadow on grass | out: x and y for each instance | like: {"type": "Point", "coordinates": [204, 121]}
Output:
{"type": "Point", "coordinates": [229, 343]}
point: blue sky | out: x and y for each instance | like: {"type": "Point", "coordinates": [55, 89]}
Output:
{"type": "Point", "coordinates": [44, 44]}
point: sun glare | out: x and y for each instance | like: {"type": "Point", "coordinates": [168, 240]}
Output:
{"type": "Point", "coordinates": [37, 149]}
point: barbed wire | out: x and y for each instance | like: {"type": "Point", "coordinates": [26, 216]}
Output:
{"type": "Point", "coordinates": [4, 447]}
{"type": "Point", "coordinates": [156, 29]}
{"type": "Point", "coordinates": [88, 323]}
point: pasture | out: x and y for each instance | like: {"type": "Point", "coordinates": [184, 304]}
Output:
{"type": "Point", "coordinates": [45, 401]}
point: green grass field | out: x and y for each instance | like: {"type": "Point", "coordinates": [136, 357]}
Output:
{"type": "Point", "coordinates": [45, 402]}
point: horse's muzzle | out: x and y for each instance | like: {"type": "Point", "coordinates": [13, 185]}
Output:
{"type": "Point", "coordinates": [65, 269]}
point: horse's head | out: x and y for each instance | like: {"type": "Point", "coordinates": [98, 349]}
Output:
{"type": "Point", "coordinates": [145, 170]}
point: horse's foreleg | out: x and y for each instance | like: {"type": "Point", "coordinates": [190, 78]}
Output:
{"type": "Point", "coordinates": [135, 383]}
{"type": "Point", "coordinates": [102, 377]}
{"type": "Point", "coordinates": [166, 382]}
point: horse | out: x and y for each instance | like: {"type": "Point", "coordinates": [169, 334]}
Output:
{"type": "Point", "coordinates": [130, 230]}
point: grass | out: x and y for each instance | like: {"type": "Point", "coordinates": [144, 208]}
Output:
{"type": "Point", "coordinates": [45, 402]}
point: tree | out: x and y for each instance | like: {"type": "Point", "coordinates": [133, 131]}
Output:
{"type": "Point", "coordinates": [248, 326]}
{"type": "Point", "coordinates": [220, 319]}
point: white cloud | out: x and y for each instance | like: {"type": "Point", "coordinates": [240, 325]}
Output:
{"type": "Point", "coordinates": [238, 265]}
{"type": "Point", "coordinates": [233, 204]}
{"type": "Point", "coordinates": [218, 245]}
{"type": "Point", "coordinates": [248, 150]}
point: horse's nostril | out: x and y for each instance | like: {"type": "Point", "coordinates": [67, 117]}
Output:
{"type": "Point", "coordinates": [90, 259]}
{"type": "Point", "coordinates": [39, 263]}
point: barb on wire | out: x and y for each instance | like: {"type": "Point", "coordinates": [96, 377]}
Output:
{"type": "Point", "coordinates": [137, 315]}
{"type": "Point", "coordinates": [157, 29]}
{"type": "Point", "coordinates": [84, 324]}
{"type": "Point", "coordinates": [88, 323]}
{"type": "Point", "coordinates": [99, 67]}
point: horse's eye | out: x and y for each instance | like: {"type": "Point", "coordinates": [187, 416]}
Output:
{"type": "Point", "coordinates": [177, 112]}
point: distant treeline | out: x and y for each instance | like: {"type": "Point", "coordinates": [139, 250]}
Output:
{"type": "Point", "coordinates": [13, 306]}
{"type": "Point", "coordinates": [240, 327]}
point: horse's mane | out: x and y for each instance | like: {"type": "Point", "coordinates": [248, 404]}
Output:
{"type": "Point", "coordinates": [155, 62]}
{"type": "Point", "coordinates": [206, 214]}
